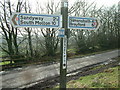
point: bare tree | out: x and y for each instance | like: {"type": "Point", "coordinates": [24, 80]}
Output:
{"type": "Point", "coordinates": [105, 37]}
{"type": "Point", "coordinates": [27, 9]}
{"type": "Point", "coordinates": [51, 40]}
{"type": "Point", "coordinates": [8, 31]}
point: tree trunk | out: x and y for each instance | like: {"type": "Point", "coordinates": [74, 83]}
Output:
{"type": "Point", "coordinates": [15, 44]}
{"type": "Point", "coordinates": [10, 48]}
{"type": "Point", "coordinates": [30, 43]}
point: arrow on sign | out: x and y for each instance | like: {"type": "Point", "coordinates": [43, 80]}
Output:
{"type": "Point", "coordinates": [13, 19]}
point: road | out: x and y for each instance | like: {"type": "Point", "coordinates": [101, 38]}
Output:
{"type": "Point", "coordinates": [22, 76]}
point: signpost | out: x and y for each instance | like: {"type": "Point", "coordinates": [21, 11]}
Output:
{"type": "Point", "coordinates": [56, 21]}
{"type": "Point", "coordinates": [63, 61]}
{"type": "Point", "coordinates": [36, 20]}
{"type": "Point", "coordinates": [83, 23]}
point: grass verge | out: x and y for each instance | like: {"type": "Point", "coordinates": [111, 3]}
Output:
{"type": "Point", "coordinates": [106, 79]}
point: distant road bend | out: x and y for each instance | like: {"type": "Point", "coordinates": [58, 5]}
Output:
{"type": "Point", "coordinates": [19, 78]}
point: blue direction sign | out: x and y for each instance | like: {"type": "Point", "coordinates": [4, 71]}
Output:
{"type": "Point", "coordinates": [83, 23]}
{"type": "Point", "coordinates": [36, 20]}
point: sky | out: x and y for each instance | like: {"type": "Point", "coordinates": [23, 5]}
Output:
{"type": "Point", "coordinates": [107, 3]}
{"type": "Point", "coordinates": [99, 3]}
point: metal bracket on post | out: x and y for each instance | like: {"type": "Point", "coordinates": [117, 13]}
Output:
{"type": "Point", "coordinates": [61, 33]}
{"type": "Point", "coordinates": [65, 3]}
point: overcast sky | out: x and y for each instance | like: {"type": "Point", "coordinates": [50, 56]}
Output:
{"type": "Point", "coordinates": [106, 3]}
{"type": "Point", "coordinates": [98, 2]}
